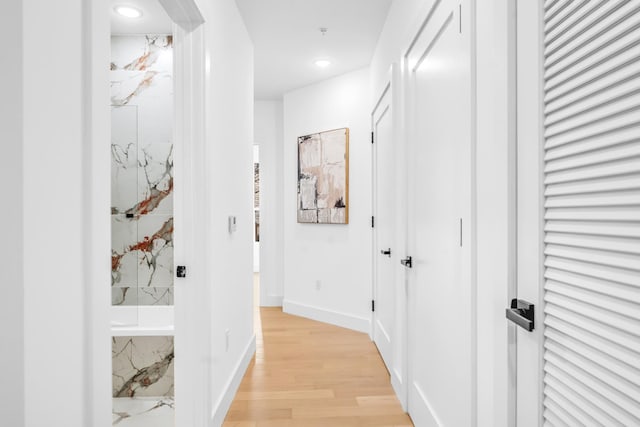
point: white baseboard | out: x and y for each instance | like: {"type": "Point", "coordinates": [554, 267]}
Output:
{"type": "Point", "coordinates": [422, 412]}
{"type": "Point", "coordinates": [344, 320]}
{"type": "Point", "coordinates": [399, 388]}
{"type": "Point", "coordinates": [271, 301]}
{"type": "Point", "coordinates": [223, 405]}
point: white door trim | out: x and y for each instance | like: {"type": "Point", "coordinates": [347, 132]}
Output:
{"type": "Point", "coordinates": [192, 316]}
{"type": "Point", "coordinates": [529, 164]}
{"type": "Point", "coordinates": [189, 90]}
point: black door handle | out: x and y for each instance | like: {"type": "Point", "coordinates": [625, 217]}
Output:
{"type": "Point", "coordinates": [407, 262]}
{"type": "Point", "coordinates": [521, 313]}
{"type": "Point", "coordinates": [386, 252]}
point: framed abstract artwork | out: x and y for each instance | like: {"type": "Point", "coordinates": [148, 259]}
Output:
{"type": "Point", "coordinates": [323, 177]}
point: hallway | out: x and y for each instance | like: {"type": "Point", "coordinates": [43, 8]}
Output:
{"type": "Point", "coordinates": [307, 373]}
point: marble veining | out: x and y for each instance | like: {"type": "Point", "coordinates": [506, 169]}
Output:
{"type": "Point", "coordinates": [142, 366]}
{"type": "Point", "coordinates": [138, 64]}
{"type": "Point", "coordinates": [143, 412]}
{"type": "Point", "coordinates": [142, 170]}
{"type": "Point", "coordinates": [142, 260]}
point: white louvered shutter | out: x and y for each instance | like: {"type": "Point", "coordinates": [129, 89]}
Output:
{"type": "Point", "coordinates": [592, 212]}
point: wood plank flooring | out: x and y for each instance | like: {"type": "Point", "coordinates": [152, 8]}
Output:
{"type": "Point", "coordinates": [310, 374]}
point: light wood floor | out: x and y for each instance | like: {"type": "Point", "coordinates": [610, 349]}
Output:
{"type": "Point", "coordinates": [310, 374]}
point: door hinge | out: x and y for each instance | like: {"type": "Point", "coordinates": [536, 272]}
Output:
{"type": "Point", "coordinates": [460, 18]}
{"type": "Point", "coordinates": [373, 222]}
{"type": "Point", "coordinates": [373, 305]}
{"type": "Point", "coordinates": [372, 137]}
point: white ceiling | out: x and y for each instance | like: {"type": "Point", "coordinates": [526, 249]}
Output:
{"type": "Point", "coordinates": [287, 39]}
{"type": "Point", "coordinates": [154, 19]}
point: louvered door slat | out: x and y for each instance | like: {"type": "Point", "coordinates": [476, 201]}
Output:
{"type": "Point", "coordinates": [580, 23]}
{"type": "Point", "coordinates": [562, 85]}
{"type": "Point", "coordinates": [597, 356]}
{"type": "Point", "coordinates": [595, 42]}
{"type": "Point", "coordinates": [599, 110]}
{"type": "Point", "coordinates": [599, 141]}
{"type": "Point", "coordinates": [628, 293]}
{"type": "Point", "coordinates": [564, 410]}
{"type": "Point", "coordinates": [592, 213]}
{"type": "Point", "coordinates": [562, 34]}
{"type": "Point", "coordinates": [589, 339]}
{"type": "Point", "coordinates": [619, 390]}
{"type": "Point", "coordinates": [620, 152]}
{"type": "Point", "coordinates": [617, 89]}
{"type": "Point", "coordinates": [593, 207]}
{"type": "Point", "coordinates": [611, 274]}
{"type": "Point", "coordinates": [554, 24]}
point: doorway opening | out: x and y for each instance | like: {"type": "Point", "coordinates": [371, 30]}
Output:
{"type": "Point", "coordinates": [142, 215]}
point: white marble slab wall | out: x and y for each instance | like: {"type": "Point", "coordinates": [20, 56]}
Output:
{"type": "Point", "coordinates": [142, 366]}
{"type": "Point", "coordinates": [142, 170]}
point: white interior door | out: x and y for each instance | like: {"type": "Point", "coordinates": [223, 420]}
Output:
{"type": "Point", "coordinates": [385, 252]}
{"type": "Point", "coordinates": [578, 203]}
{"type": "Point", "coordinates": [441, 334]}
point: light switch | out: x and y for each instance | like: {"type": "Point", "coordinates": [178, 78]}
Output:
{"type": "Point", "coordinates": [232, 224]}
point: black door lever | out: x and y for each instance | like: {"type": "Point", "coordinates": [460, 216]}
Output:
{"type": "Point", "coordinates": [521, 313]}
{"type": "Point", "coordinates": [407, 262]}
{"type": "Point", "coordinates": [386, 252]}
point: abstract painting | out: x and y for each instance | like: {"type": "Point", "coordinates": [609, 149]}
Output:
{"type": "Point", "coordinates": [323, 177]}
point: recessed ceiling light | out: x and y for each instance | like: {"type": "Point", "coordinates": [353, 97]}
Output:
{"type": "Point", "coordinates": [128, 11]}
{"type": "Point", "coordinates": [323, 63]}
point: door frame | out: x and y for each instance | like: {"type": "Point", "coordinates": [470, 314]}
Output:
{"type": "Point", "coordinates": [398, 363]}
{"type": "Point", "coordinates": [526, 408]}
{"type": "Point", "coordinates": [189, 85]}
{"type": "Point", "coordinates": [374, 192]}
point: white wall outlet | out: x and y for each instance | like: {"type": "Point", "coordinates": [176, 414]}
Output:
{"type": "Point", "coordinates": [318, 285]}
{"type": "Point", "coordinates": [227, 335]}
{"type": "Point", "coordinates": [232, 224]}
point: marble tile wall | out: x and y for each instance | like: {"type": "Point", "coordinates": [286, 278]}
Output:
{"type": "Point", "coordinates": [142, 366]}
{"type": "Point", "coordinates": [142, 170]}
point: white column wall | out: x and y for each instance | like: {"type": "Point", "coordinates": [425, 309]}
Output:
{"type": "Point", "coordinates": [495, 186]}
{"type": "Point", "coordinates": [268, 134]}
{"type": "Point", "coordinates": [54, 303]}
{"type": "Point", "coordinates": [327, 267]}
{"type": "Point", "coordinates": [229, 183]}
{"type": "Point", "coordinates": [12, 250]}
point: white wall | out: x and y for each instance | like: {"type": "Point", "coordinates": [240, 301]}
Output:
{"type": "Point", "coordinates": [54, 320]}
{"type": "Point", "coordinates": [327, 267]}
{"type": "Point", "coordinates": [229, 156]}
{"type": "Point", "coordinates": [398, 30]}
{"type": "Point", "coordinates": [11, 214]}
{"type": "Point", "coordinates": [268, 134]}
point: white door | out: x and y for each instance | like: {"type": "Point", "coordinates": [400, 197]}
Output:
{"type": "Point", "coordinates": [385, 254]}
{"type": "Point", "coordinates": [579, 172]}
{"type": "Point", "coordinates": [441, 329]}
